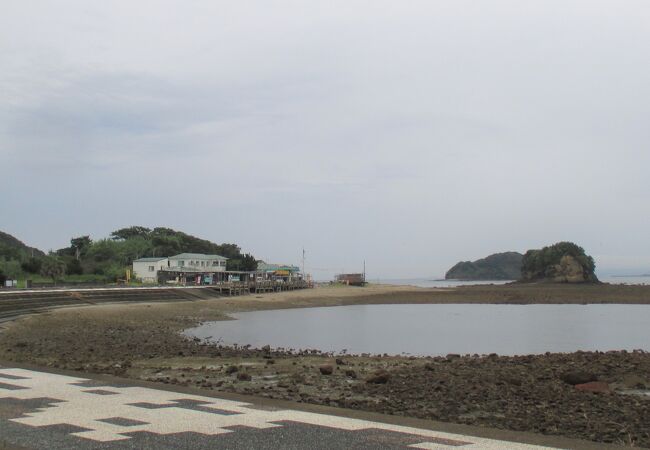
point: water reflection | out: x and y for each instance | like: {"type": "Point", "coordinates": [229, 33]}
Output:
{"type": "Point", "coordinates": [441, 329]}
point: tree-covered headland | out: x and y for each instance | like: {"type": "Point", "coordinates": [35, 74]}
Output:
{"type": "Point", "coordinates": [499, 266]}
{"type": "Point", "coordinates": [106, 260]}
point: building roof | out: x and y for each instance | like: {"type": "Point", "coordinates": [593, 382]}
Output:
{"type": "Point", "coordinates": [155, 259]}
{"type": "Point", "coordinates": [267, 267]}
{"type": "Point", "coordinates": [199, 256]}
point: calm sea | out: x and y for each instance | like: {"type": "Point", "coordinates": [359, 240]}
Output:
{"type": "Point", "coordinates": [432, 282]}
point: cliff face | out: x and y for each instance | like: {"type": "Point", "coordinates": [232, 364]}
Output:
{"type": "Point", "coordinates": [500, 266]}
{"type": "Point", "coordinates": [564, 262]}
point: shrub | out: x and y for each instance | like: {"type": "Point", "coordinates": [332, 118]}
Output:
{"type": "Point", "coordinates": [53, 267]}
{"type": "Point", "coordinates": [73, 267]}
{"type": "Point", "coordinates": [32, 265]}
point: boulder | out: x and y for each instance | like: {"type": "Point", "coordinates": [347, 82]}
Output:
{"type": "Point", "coordinates": [243, 376]}
{"type": "Point", "coordinates": [378, 377]}
{"type": "Point", "coordinates": [326, 369]}
{"type": "Point", "coordinates": [577, 377]}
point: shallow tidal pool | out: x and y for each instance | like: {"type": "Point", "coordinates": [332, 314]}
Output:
{"type": "Point", "coordinates": [439, 329]}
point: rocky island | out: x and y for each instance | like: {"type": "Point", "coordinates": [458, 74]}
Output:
{"type": "Point", "coordinates": [564, 262]}
{"type": "Point", "coordinates": [499, 266]}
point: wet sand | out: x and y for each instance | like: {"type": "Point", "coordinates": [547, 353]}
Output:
{"type": "Point", "coordinates": [528, 393]}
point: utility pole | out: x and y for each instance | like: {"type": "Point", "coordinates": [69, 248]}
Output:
{"type": "Point", "coordinates": [303, 263]}
{"type": "Point", "coordinates": [364, 270]}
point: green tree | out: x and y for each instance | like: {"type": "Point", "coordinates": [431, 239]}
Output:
{"type": "Point", "coordinates": [80, 245]}
{"type": "Point", "coordinates": [108, 257]}
{"type": "Point", "coordinates": [233, 264]}
{"type": "Point", "coordinates": [103, 250]}
{"type": "Point", "coordinates": [130, 233]}
{"type": "Point", "coordinates": [248, 262]}
{"type": "Point", "coordinates": [53, 267]}
{"type": "Point", "coordinates": [166, 245]}
{"type": "Point", "coordinates": [8, 252]}
{"type": "Point", "coordinates": [133, 248]}
{"type": "Point", "coordinates": [11, 268]}
{"type": "Point", "coordinates": [114, 272]}
{"type": "Point", "coordinates": [228, 250]}
{"type": "Point", "coordinates": [32, 265]}
{"type": "Point", "coordinates": [73, 267]}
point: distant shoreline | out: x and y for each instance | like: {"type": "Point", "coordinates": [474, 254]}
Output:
{"type": "Point", "coordinates": [643, 275]}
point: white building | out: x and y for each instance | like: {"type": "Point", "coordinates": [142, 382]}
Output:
{"type": "Point", "coordinates": [197, 262]}
{"type": "Point", "coordinates": [146, 269]}
{"type": "Point", "coordinates": [187, 264]}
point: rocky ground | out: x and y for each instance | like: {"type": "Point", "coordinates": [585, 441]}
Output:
{"type": "Point", "coordinates": [597, 396]}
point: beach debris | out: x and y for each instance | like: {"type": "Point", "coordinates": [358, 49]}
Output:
{"type": "Point", "coordinates": [599, 387]}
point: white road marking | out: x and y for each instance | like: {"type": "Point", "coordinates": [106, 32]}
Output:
{"type": "Point", "coordinates": [79, 406]}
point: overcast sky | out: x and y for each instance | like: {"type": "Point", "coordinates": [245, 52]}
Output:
{"type": "Point", "coordinates": [411, 134]}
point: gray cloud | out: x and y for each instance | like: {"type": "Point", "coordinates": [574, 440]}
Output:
{"type": "Point", "coordinates": [411, 135]}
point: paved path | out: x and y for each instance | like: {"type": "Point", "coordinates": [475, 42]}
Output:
{"type": "Point", "coordinates": [98, 289]}
{"type": "Point", "coordinates": [42, 410]}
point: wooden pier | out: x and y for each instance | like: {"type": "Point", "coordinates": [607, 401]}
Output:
{"type": "Point", "coordinates": [257, 287]}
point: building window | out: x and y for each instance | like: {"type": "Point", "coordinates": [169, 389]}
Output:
{"type": "Point", "coordinates": [223, 263]}
{"type": "Point", "coordinates": [202, 263]}
{"type": "Point", "coordinates": [152, 268]}
{"type": "Point", "coordinates": [181, 263]}
{"type": "Point", "coordinates": [215, 263]}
